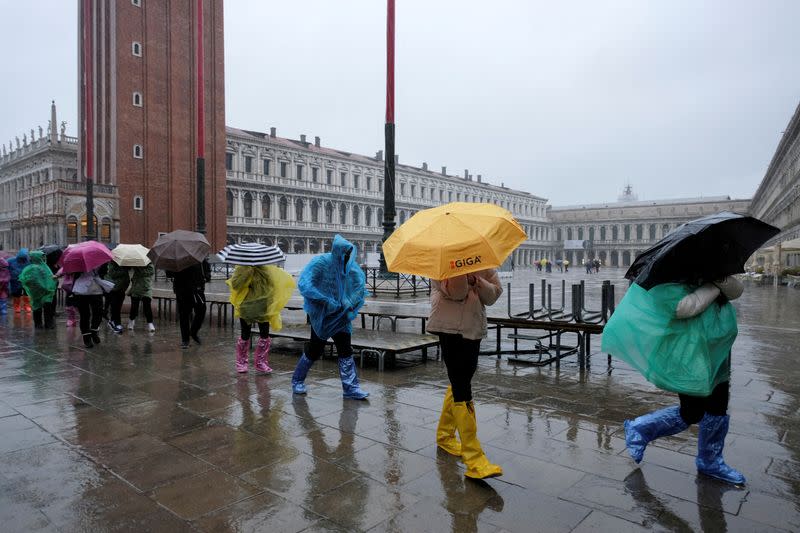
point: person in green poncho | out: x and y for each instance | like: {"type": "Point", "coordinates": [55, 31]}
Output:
{"type": "Point", "coordinates": [258, 293]}
{"type": "Point", "coordinates": [679, 337]}
{"type": "Point", "coordinates": [141, 291]}
{"type": "Point", "coordinates": [39, 284]}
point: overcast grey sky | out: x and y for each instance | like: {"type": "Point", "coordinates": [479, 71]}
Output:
{"type": "Point", "coordinates": [566, 100]}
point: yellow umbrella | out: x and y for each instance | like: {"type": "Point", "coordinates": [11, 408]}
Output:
{"type": "Point", "coordinates": [130, 255]}
{"type": "Point", "coordinates": [453, 239]}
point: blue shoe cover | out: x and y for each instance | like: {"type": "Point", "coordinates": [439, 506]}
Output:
{"type": "Point", "coordinates": [642, 430]}
{"type": "Point", "coordinates": [710, 442]}
{"type": "Point", "coordinates": [350, 388]}
{"type": "Point", "coordinates": [300, 373]}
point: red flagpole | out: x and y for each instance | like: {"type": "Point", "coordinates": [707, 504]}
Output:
{"type": "Point", "coordinates": [201, 126]}
{"type": "Point", "coordinates": [88, 112]}
{"type": "Point", "coordinates": [388, 167]}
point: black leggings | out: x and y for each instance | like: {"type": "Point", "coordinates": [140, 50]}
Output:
{"type": "Point", "coordinates": [694, 407]}
{"type": "Point", "coordinates": [90, 308]}
{"type": "Point", "coordinates": [461, 359]}
{"type": "Point", "coordinates": [114, 301]}
{"type": "Point", "coordinates": [263, 329]}
{"type": "Point", "coordinates": [146, 307]}
{"type": "Point", "coordinates": [316, 346]}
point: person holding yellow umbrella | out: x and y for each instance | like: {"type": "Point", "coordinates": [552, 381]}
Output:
{"type": "Point", "coordinates": [458, 246]}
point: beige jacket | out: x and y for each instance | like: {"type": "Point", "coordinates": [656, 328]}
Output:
{"type": "Point", "coordinates": [458, 307]}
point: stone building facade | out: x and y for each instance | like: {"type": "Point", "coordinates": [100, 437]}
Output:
{"type": "Point", "coordinates": [617, 232]}
{"type": "Point", "coordinates": [777, 201]}
{"type": "Point", "coordinates": [298, 194]}
{"type": "Point", "coordinates": [42, 201]}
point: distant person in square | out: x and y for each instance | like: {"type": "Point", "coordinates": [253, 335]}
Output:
{"type": "Point", "coordinates": [189, 286]}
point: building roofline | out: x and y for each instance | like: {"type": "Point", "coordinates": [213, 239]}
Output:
{"type": "Point", "coordinates": [649, 203]}
{"type": "Point", "coordinates": [360, 158]}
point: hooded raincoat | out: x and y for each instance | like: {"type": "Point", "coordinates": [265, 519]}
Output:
{"type": "Point", "coordinates": [5, 277]}
{"type": "Point", "coordinates": [15, 266]}
{"type": "Point", "coordinates": [38, 281]}
{"type": "Point", "coordinates": [118, 276]}
{"type": "Point", "coordinates": [334, 288]}
{"type": "Point", "coordinates": [142, 281]}
{"type": "Point", "coordinates": [258, 293]}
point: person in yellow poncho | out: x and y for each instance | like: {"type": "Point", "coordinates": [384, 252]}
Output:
{"type": "Point", "coordinates": [258, 293]}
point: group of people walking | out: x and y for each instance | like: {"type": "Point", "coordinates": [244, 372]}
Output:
{"type": "Point", "coordinates": [690, 328]}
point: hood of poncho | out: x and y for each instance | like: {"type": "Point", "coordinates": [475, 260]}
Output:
{"type": "Point", "coordinates": [333, 288]}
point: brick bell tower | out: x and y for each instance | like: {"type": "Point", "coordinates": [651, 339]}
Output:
{"type": "Point", "coordinates": [152, 106]}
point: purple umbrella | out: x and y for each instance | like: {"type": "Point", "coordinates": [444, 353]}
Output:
{"type": "Point", "coordinates": [84, 256]}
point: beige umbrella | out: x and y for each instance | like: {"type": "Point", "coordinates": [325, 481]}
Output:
{"type": "Point", "coordinates": [131, 255]}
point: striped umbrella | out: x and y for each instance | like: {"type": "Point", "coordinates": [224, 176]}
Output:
{"type": "Point", "coordinates": [252, 254]}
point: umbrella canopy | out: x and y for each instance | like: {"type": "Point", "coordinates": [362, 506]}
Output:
{"type": "Point", "coordinates": [179, 249]}
{"type": "Point", "coordinates": [453, 239]}
{"type": "Point", "coordinates": [701, 250]}
{"type": "Point", "coordinates": [52, 252]}
{"type": "Point", "coordinates": [84, 256]}
{"type": "Point", "coordinates": [252, 254]}
{"type": "Point", "coordinates": [131, 255]}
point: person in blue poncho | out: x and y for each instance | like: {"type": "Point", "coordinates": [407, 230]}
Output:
{"type": "Point", "coordinates": [333, 287]}
{"type": "Point", "coordinates": [15, 266]}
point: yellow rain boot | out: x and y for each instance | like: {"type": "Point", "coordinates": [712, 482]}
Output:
{"type": "Point", "coordinates": [478, 466]}
{"type": "Point", "coordinates": [446, 430]}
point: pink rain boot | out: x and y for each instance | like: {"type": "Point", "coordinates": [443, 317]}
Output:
{"type": "Point", "coordinates": [242, 355]}
{"type": "Point", "coordinates": [72, 320]}
{"type": "Point", "coordinates": [260, 357]}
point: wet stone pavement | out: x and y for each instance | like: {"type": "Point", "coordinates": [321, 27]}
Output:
{"type": "Point", "coordinates": [138, 435]}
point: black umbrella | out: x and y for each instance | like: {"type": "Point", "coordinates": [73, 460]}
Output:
{"type": "Point", "coordinates": [52, 252]}
{"type": "Point", "coordinates": [701, 250]}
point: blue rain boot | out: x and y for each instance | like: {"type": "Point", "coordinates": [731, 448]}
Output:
{"type": "Point", "coordinates": [642, 430]}
{"type": "Point", "coordinates": [347, 370]}
{"type": "Point", "coordinates": [300, 373]}
{"type": "Point", "coordinates": [710, 441]}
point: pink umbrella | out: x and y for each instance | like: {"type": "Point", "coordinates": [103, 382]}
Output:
{"type": "Point", "coordinates": [84, 256]}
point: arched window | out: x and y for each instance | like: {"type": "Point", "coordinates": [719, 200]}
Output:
{"type": "Point", "coordinates": [379, 217]}
{"type": "Point", "coordinates": [569, 234]}
{"type": "Point", "coordinates": [627, 230]}
{"type": "Point", "coordinates": [402, 216]}
{"type": "Point", "coordinates": [591, 233]}
{"type": "Point", "coordinates": [283, 208]}
{"type": "Point", "coordinates": [652, 232]}
{"type": "Point", "coordinates": [229, 203]}
{"type": "Point", "coordinates": [248, 205]}
{"type": "Point", "coordinates": [664, 230]}
{"type": "Point", "coordinates": [342, 214]}
{"type": "Point", "coordinates": [105, 230]}
{"type": "Point", "coordinates": [368, 216]}
{"type": "Point", "coordinates": [314, 211]}
{"type": "Point", "coordinates": [356, 215]}
{"type": "Point", "coordinates": [266, 206]}
{"type": "Point", "coordinates": [639, 232]}
{"type": "Point", "coordinates": [72, 230]}
{"type": "Point", "coordinates": [580, 233]}
{"type": "Point", "coordinates": [328, 213]}
{"type": "Point", "coordinates": [614, 233]}
{"type": "Point", "coordinates": [558, 233]}
{"type": "Point", "coordinates": [299, 206]}
{"type": "Point", "coordinates": [602, 233]}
